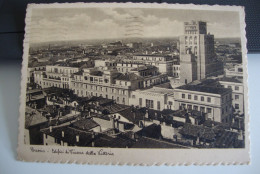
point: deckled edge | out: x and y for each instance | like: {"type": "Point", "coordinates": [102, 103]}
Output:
{"type": "Point", "coordinates": [21, 119]}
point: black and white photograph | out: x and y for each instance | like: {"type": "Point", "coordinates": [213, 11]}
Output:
{"type": "Point", "coordinates": [122, 77]}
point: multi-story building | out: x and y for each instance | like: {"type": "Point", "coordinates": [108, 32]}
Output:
{"type": "Point", "coordinates": [237, 92]}
{"type": "Point", "coordinates": [236, 71]}
{"type": "Point", "coordinates": [55, 75]}
{"type": "Point", "coordinates": [30, 72]}
{"type": "Point", "coordinates": [197, 56]}
{"type": "Point", "coordinates": [113, 85]}
{"type": "Point", "coordinates": [105, 64]}
{"type": "Point", "coordinates": [163, 63]}
{"type": "Point", "coordinates": [127, 66]}
{"type": "Point", "coordinates": [153, 98]}
{"type": "Point", "coordinates": [216, 102]}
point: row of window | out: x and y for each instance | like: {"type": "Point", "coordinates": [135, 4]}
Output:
{"type": "Point", "coordinates": [202, 98]}
{"type": "Point", "coordinates": [100, 88]}
{"type": "Point", "coordinates": [66, 71]}
{"type": "Point", "coordinates": [190, 40]}
{"type": "Point", "coordinates": [236, 87]}
{"type": "Point", "coordinates": [149, 104]}
{"type": "Point", "coordinates": [176, 68]}
{"type": "Point", "coordinates": [149, 58]}
{"type": "Point", "coordinates": [50, 84]}
{"type": "Point", "coordinates": [197, 108]}
{"type": "Point", "coordinates": [80, 92]}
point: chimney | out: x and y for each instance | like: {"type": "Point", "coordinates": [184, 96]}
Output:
{"type": "Point", "coordinates": [50, 128]}
{"type": "Point", "coordinates": [77, 138]}
{"type": "Point", "coordinates": [89, 113]}
{"type": "Point", "coordinates": [62, 134]}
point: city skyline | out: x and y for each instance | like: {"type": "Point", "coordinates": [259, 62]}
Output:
{"type": "Point", "coordinates": [82, 24]}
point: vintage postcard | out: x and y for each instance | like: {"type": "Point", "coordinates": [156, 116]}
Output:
{"type": "Point", "coordinates": [135, 84]}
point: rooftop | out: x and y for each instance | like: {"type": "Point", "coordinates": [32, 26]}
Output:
{"type": "Point", "coordinates": [85, 138]}
{"type": "Point", "coordinates": [143, 68]}
{"type": "Point", "coordinates": [128, 77]}
{"type": "Point", "coordinates": [206, 89]}
{"type": "Point", "coordinates": [84, 124]}
{"type": "Point", "coordinates": [198, 131]}
{"type": "Point", "coordinates": [33, 117]}
{"type": "Point", "coordinates": [133, 115]}
{"type": "Point", "coordinates": [229, 79]}
{"type": "Point", "coordinates": [96, 73]}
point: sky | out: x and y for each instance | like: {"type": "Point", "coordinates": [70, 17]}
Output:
{"type": "Point", "coordinates": [63, 24]}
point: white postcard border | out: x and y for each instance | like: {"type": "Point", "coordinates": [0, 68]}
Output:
{"type": "Point", "coordinates": [117, 156]}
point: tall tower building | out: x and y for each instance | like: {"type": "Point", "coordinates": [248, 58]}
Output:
{"type": "Point", "coordinates": [198, 44]}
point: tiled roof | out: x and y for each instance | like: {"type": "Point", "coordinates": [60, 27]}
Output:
{"type": "Point", "coordinates": [145, 67]}
{"type": "Point", "coordinates": [152, 131]}
{"type": "Point", "coordinates": [206, 89]}
{"type": "Point", "coordinates": [85, 138]}
{"type": "Point", "coordinates": [198, 131]}
{"type": "Point", "coordinates": [133, 115]}
{"type": "Point", "coordinates": [85, 124]}
{"type": "Point", "coordinates": [114, 108]}
{"type": "Point", "coordinates": [229, 79]}
{"type": "Point", "coordinates": [33, 117]}
{"type": "Point", "coordinates": [96, 73]}
{"type": "Point", "coordinates": [78, 73]}
{"type": "Point", "coordinates": [226, 140]}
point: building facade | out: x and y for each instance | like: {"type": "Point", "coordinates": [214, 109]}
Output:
{"type": "Point", "coordinates": [215, 102]}
{"type": "Point", "coordinates": [197, 55]}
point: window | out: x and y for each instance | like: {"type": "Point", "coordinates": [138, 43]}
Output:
{"type": "Point", "coordinates": [195, 108]}
{"type": "Point", "coordinates": [123, 100]}
{"type": "Point", "coordinates": [140, 102]}
{"type": "Point", "coordinates": [195, 40]}
{"type": "Point", "coordinates": [236, 106]}
{"type": "Point", "coordinates": [158, 105]}
{"type": "Point", "coordinates": [189, 107]}
{"type": "Point", "coordinates": [189, 96]}
{"type": "Point", "coordinates": [209, 99]}
{"type": "Point", "coordinates": [149, 103]}
{"type": "Point", "coordinates": [190, 40]}
{"type": "Point", "coordinates": [236, 97]}
{"type": "Point", "coordinates": [195, 97]}
{"type": "Point", "coordinates": [209, 110]}
{"type": "Point", "coordinates": [133, 96]}
{"type": "Point", "coordinates": [236, 88]}
{"type": "Point", "coordinates": [223, 111]}
{"type": "Point", "coordinates": [202, 109]}
{"type": "Point", "coordinates": [202, 98]}
{"type": "Point", "coordinates": [230, 87]}
{"type": "Point", "coordinates": [183, 95]}
{"type": "Point", "coordinates": [239, 69]}
{"type": "Point", "coordinates": [170, 102]}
